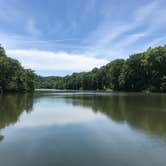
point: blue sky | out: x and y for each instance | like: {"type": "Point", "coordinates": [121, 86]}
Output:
{"type": "Point", "coordinates": [58, 37]}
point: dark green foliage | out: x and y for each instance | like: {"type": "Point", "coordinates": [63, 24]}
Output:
{"type": "Point", "coordinates": [154, 61]}
{"type": "Point", "coordinates": [113, 74]}
{"type": "Point", "coordinates": [13, 77]}
{"type": "Point", "coordinates": [163, 84]}
{"type": "Point", "coordinates": [47, 82]}
{"type": "Point", "coordinates": [140, 72]}
{"type": "Point", "coordinates": [133, 76]}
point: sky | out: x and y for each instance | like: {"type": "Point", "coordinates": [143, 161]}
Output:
{"type": "Point", "coordinates": [59, 37]}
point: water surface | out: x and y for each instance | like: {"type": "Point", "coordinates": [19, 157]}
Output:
{"type": "Point", "coordinates": [83, 129]}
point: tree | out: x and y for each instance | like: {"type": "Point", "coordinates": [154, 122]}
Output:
{"type": "Point", "coordinates": [2, 51]}
{"type": "Point", "coordinates": [13, 77]}
{"type": "Point", "coordinates": [113, 73]}
{"type": "Point", "coordinates": [133, 77]}
{"type": "Point", "coordinates": [143, 71]}
{"type": "Point", "coordinates": [154, 62]}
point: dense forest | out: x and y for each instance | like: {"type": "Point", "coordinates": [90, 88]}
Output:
{"type": "Point", "coordinates": [140, 72]}
{"type": "Point", "coordinates": [13, 77]}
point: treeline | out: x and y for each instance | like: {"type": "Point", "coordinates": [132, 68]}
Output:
{"type": "Point", "coordinates": [13, 77]}
{"type": "Point", "coordinates": [140, 72]}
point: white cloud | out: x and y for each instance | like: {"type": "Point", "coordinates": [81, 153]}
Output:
{"type": "Point", "coordinates": [111, 38]}
{"type": "Point", "coordinates": [47, 60]}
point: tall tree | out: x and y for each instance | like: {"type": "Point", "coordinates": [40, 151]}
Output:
{"type": "Point", "coordinates": [13, 77]}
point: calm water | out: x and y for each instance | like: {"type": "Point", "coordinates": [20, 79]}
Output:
{"type": "Point", "coordinates": [83, 129]}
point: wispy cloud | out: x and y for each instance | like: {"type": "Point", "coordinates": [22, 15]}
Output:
{"type": "Point", "coordinates": [113, 41]}
{"type": "Point", "coordinates": [87, 33]}
{"type": "Point", "coordinates": [15, 41]}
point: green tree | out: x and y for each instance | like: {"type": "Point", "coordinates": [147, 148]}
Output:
{"type": "Point", "coordinates": [113, 73]}
{"type": "Point", "coordinates": [133, 77]}
{"type": "Point", "coordinates": [154, 62]}
{"type": "Point", "coordinates": [13, 77]}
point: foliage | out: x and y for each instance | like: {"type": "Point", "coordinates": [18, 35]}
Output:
{"type": "Point", "coordinates": [113, 74]}
{"type": "Point", "coordinates": [13, 77]}
{"type": "Point", "coordinates": [140, 72]}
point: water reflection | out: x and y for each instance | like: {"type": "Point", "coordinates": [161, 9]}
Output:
{"type": "Point", "coordinates": [11, 107]}
{"type": "Point", "coordinates": [1, 137]}
{"type": "Point", "coordinates": [143, 112]}
{"type": "Point", "coordinates": [76, 129]}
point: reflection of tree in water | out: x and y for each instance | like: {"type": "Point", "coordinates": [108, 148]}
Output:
{"type": "Point", "coordinates": [1, 137]}
{"type": "Point", "coordinates": [145, 112]}
{"type": "Point", "coordinates": [12, 106]}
